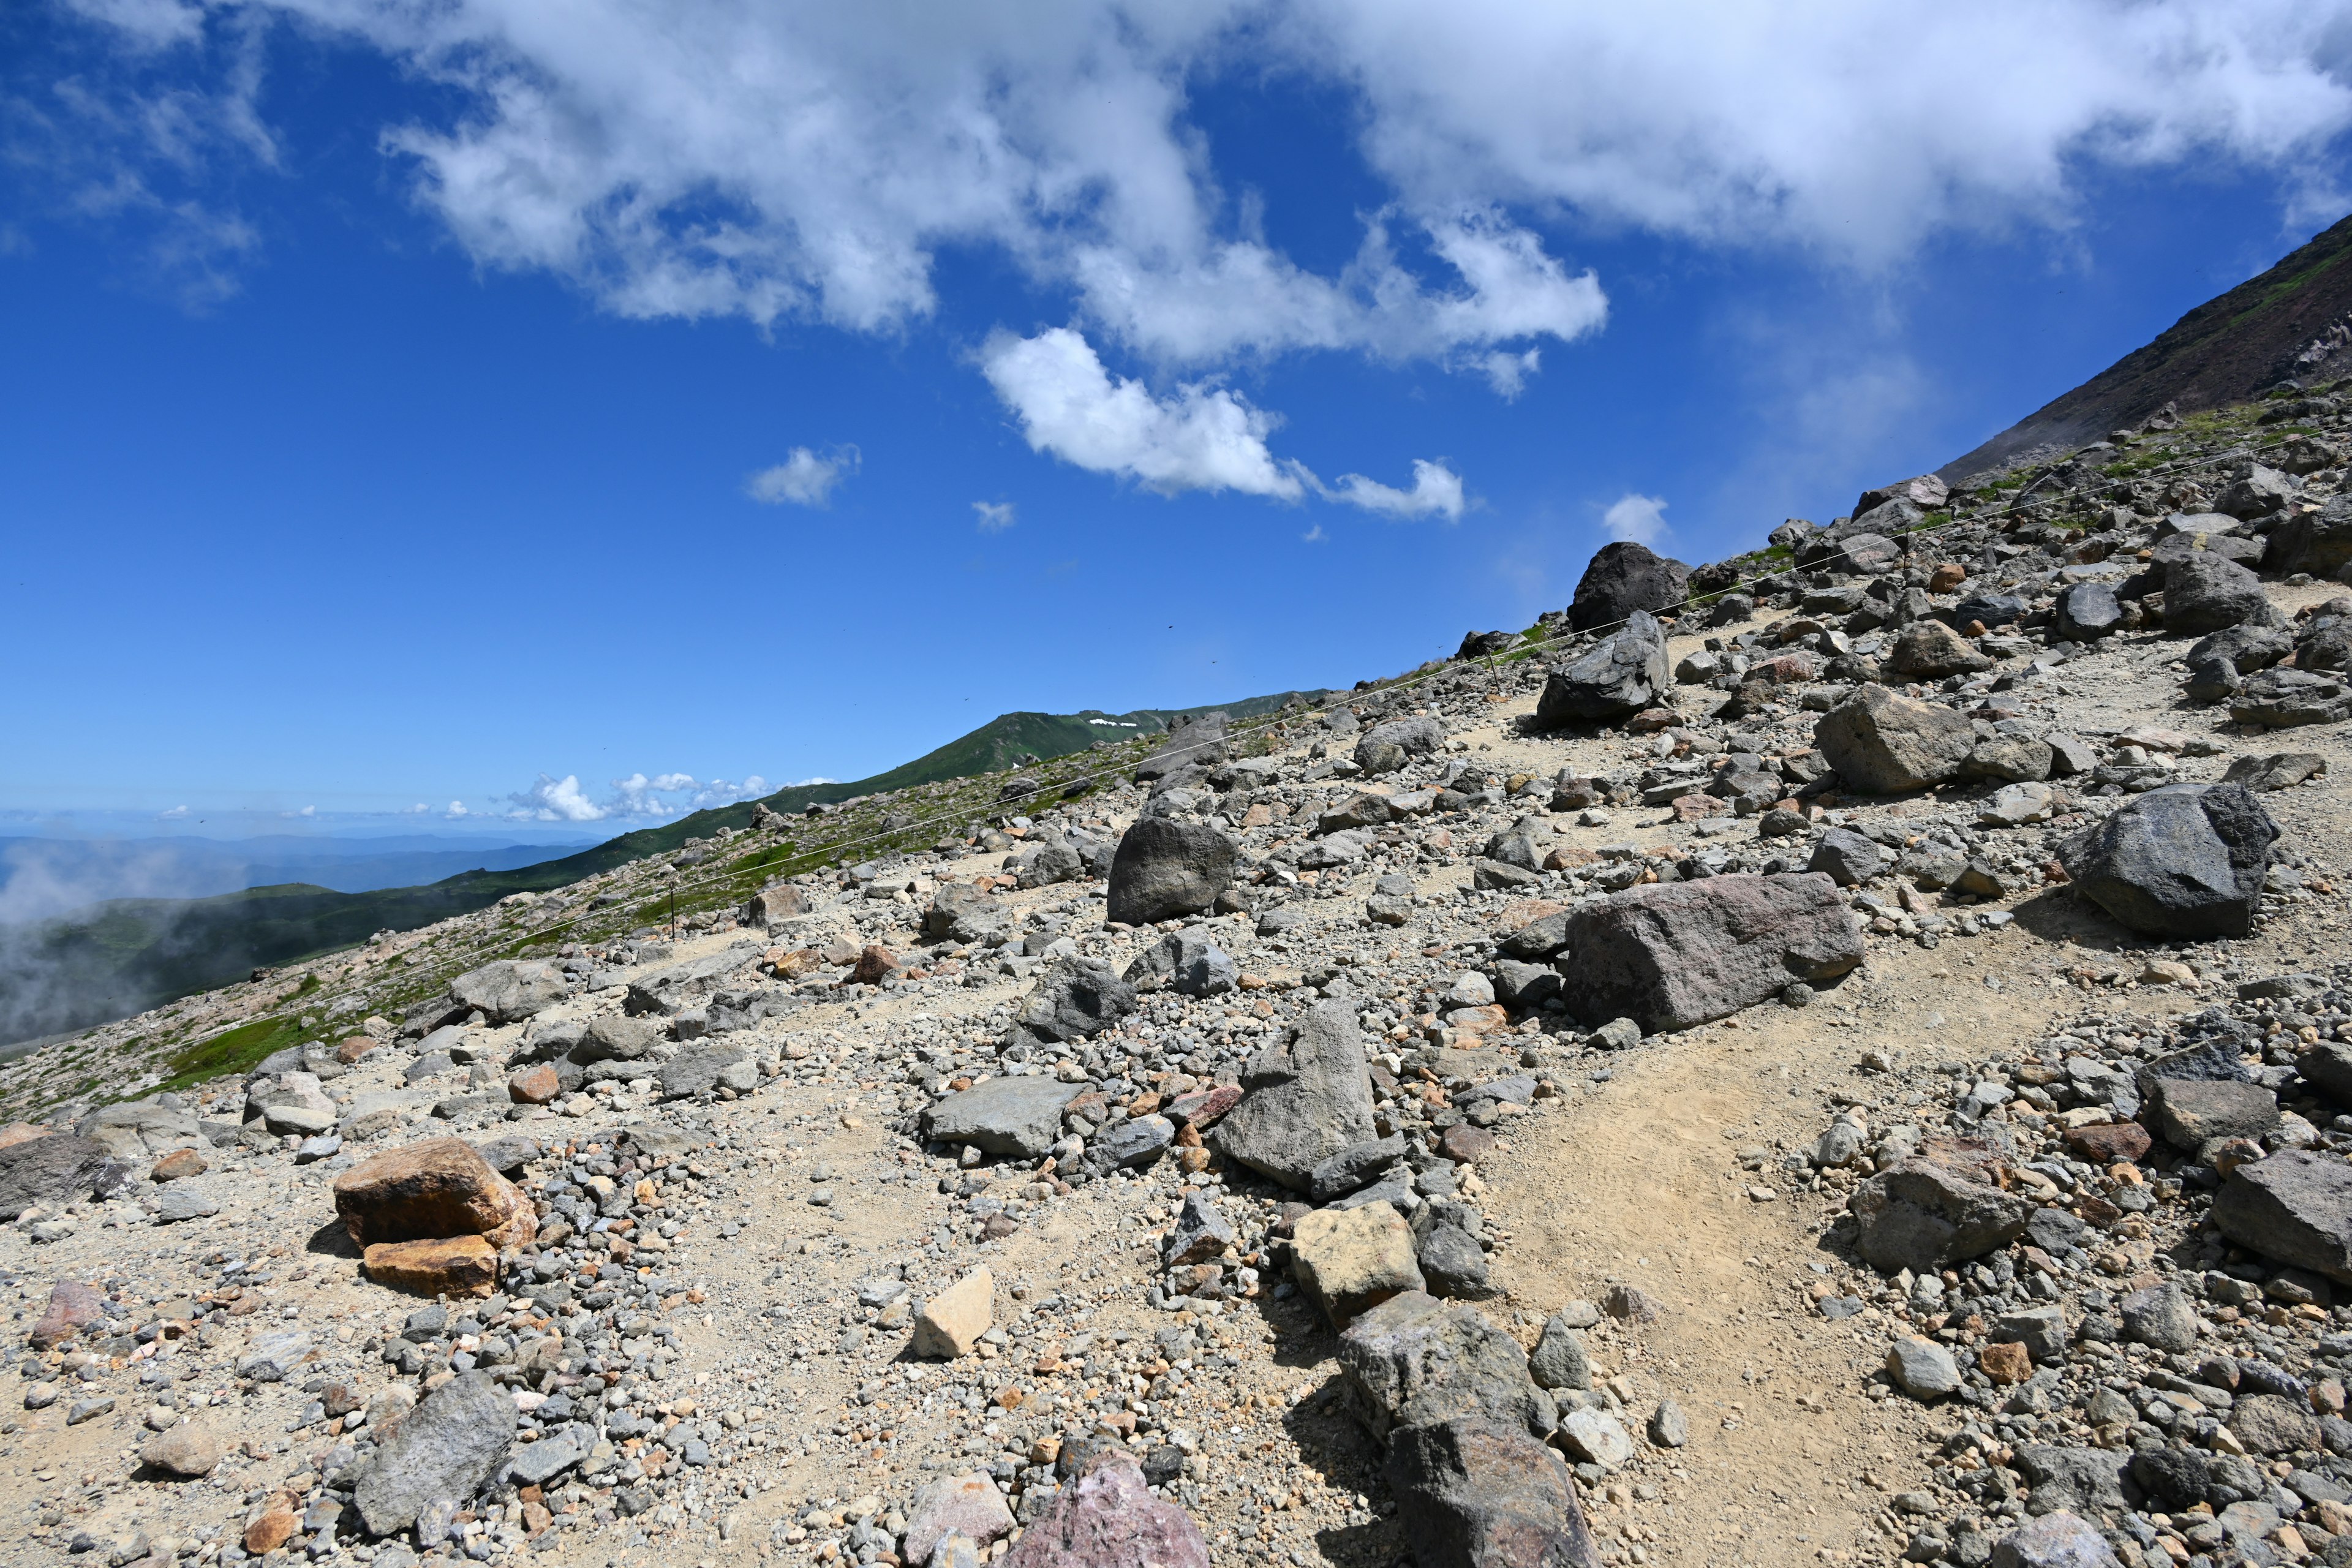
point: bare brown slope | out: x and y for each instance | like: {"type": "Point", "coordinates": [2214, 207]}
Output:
{"type": "Point", "coordinates": [2224, 352]}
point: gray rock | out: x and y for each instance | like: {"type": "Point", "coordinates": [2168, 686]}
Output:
{"type": "Point", "coordinates": [2318, 542]}
{"type": "Point", "coordinates": [1846, 857]}
{"type": "Point", "coordinates": [510, 990]}
{"type": "Point", "coordinates": [1477, 1494]}
{"type": "Point", "coordinates": [1452, 1264]}
{"type": "Point", "coordinates": [1414, 1360]}
{"type": "Point", "coordinates": [1197, 743]}
{"type": "Point", "coordinates": [2284, 698]}
{"type": "Point", "coordinates": [1922, 1369]}
{"type": "Point", "coordinates": [2295, 1207]}
{"type": "Point", "coordinates": [1669, 1427]}
{"type": "Point", "coordinates": [2162, 1316]}
{"type": "Point", "coordinates": [2072, 1479]}
{"type": "Point", "coordinates": [1135, 1143]}
{"type": "Point", "coordinates": [2013, 759]}
{"type": "Point", "coordinates": [1417, 736]}
{"type": "Point", "coordinates": [1200, 1234]}
{"type": "Point", "coordinates": [1670, 955]}
{"type": "Point", "coordinates": [1354, 1167]}
{"type": "Point", "coordinates": [700, 1069]}
{"type": "Point", "coordinates": [1016, 1117]}
{"type": "Point", "coordinates": [1558, 1360]}
{"type": "Point", "coordinates": [1624, 579]}
{"type": "Point", "coordinates": [2192, 1112]}
{"type": "Point", "coordinates": [2057, 1540]}
{"type": "Point", "coordinates": [2257, 492]}
{"type": "Point", "coordinates": [442, 1451]}
{"type": "Point", "coordinates": [1922, 1215]}
{"type": "Point", "coordinates": [1186, 962]}
{"type": "Point", "coordinates": [132, 1132]}
{"type": "Point", "coordinates": [2086, 612]}
{"type": "Point", "coordinates": [1881, 743]}
{"type": "Point", "coordinates": [1539, 939]}
{"type": "Point", "coordinates": [1166, 869]}
{"type": "Point", "coordinates": [1302, 1100]}
{"type": "Point", "coordinates": [1619, 677]}
{"type": "Point", "coordinates": [536, 1464]}
{"type": "Point", "coordinates": [968, 1505]}
{"type": "Point", "coordinates": [2204, 591]}
{"type": "Point", "coordinates": [616, 1036]}
{"type": "Point", "coordinates": [1076, 998]}
{"type": "Point", "coordinates": [2041, 1330]}
{"type": "Point", "coordinates": [1106, 1517]}
{"type": "Point", "coordinates": [272, 1357]}
{"type": "Point", "coordinates": [1597, 1437]}
{"type": "Point", "coordinates": [1526, 986]}
{"type": "Point", "coordinates": [2266, 1423]}
{"type": "Point", "coordinates": [178, 1204]}
{"type": "Point", "coordinates": [2186, 860]}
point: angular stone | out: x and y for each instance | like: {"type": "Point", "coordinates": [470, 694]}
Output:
{"type": "Point", "coordinates": [2328, 1067]}
{"type": "Point", "coordinates": [2041, 1330]}
{"type": "Point", "coordinates": [1186, 962]}
{"type": "Point", "coordinates": [2087, 612]}
{"type": "Point", "coordinates": [1200, 1235]}
{"type": "Point", "coordinates": [2193, 1112]}
{"type": "Point", "coordinates": [510, 990]}
{"type": "Point", "coordinates": [1846, 857]}
{"type": "Point", "coordinates": [2279, 770]}
{"type": "Point", "coordinates": [2186, 860]}
{"type": "Point", "coordinates": [1881, 743]}
{"type": "Point", "coordinates": [536, 1464]}
{"type": "Point", "coordinates": [2074, 1479]}
{"type": "Point", "coordinates": [177, 1165]}
{"type": "Point", "coordinates": [1016, 1117]}
{"type": "Point", "coordinates": [2295, 1207]}
{"type": "Point", "coordinates": [1452, 1264]}
{"type": "Point", "coordinates": [423, 1191]}
{"type": "Point", "coordinates": [1930, 650]}
{"type": "Point", "coordinates": [272, 1357]}
{"type": "Point", "coordinates": [457, 1265]}
{"type": "Point", "coordinates": [968, 1505]}
{"type": "Point", "coordinates": [442, 1451]}
{"type": "Point", "coordinates": [534, 1085]}
{"type": "Point", "coordinates": [2205, 592]}
{"type": "Point", "coordinates": [1302, 1100]}
{"type": "Point", "coordinates": [1624, 675]}
{"type": "Point", "coordinates": [1624, 578]}
{"type": "Point", "coordinates": [1921, 1368]}
{"type": "Point", "coordinates": [1076, 998]}
{"type": "Point", "coordinates": [1354, 1167]}
{"type": "Point", "coordinates": [2057, 1540]}
{"type": "Point", "coordinates": [2109, 1143]}
{"type": "Point", "coordinates": [1671, 955]}
{"type": "Point", "coordinates": [185, 1451]}
{"type": "Point", "coordinates": [1415, 1360]}
{"type": "Point", "coordinates": [2267, 1423]}
{"type": "Point", "coordinates": [952, 1323]}
{"type": "Point", "coordinates": [2162, 1316]}
{"type": "Point", "coordinates": [1106, 1517]}
{"type": "Point", "coordinates": [178, 1204]}
{"type": "Point", "coordinates": [1924, 1214]}
{"type": "Point", "coordinates": [703, 1070]}
{"type": "Point", "coordinates": [1349, 1260]}
{"type": "Point", "coordinates": [1475, 1494]}
{"type": "Point", "coordinates": [1166, 869]}
{"type": "Point", "coordinates": [1133, 1143]}
{"type": "Point", "coordinates": [1558, 1360]}
{"type": "Point", "coordinates": [73, 1307]}
{"type": "Point", "coordinates": [1597, 1437]}
{"type": "Point", "coordinates": [54, 1171]}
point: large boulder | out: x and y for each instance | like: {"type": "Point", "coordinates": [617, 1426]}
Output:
{"type": "Point", "coordinates": [2186, 860]}
{"type": "Point", "coordinates": [1925, 492]}
{"type": "Point", "coordinates": [1622, 579]}
{"type": "Point", "coordinates": [1018, 1116]}
{"type": "Point", "coordinates": [2295, 1207]}
{"type": "Point", "coordinates": [2087, 612]}
{"type": "Point", "coordinates": [1883, 744]}
{"type": "Point", "coordinates": [427, 1191]}
{"type": "Point", "coordinates": [1934, 1211]}
{"type": "Point", "coordinates": [1199, 743]}
{"type": "Point", "coordinates": [1186, 962]}
{"type": "Point", "coordinates": [1106, 1517]}
{"type": "Point", "coordinates": [1475, 1494]}
{"type": "Point", "coordinates": [1348, 1259]}
{"type": "Point", "coordinates": [441, 1452]}
{"type": "Point", "coordinates": [1415, 1360]}
{"type": "Point", "coordinates": [960, 912]}
{"type": "Point", "coordinates": [1388, 745]}
{"type": "Point", "coordinates": [2319, 542]}
{"type": "Point", "coordinates": [1670, 955]}
{"type": "Point", "coordinates": [140, 1129]}
{"type": "Point", "coordinates": [2284, 698]}
{"type": "Point", "coordinates": [510, 990]}
{"type": "Point", "coordinates": [1621, 677]}
{"type": "Point", "coordinates": [1930, 650]}
{"type": "Point", "coordinates": [57, 1170]}
{"type": "Point", "coordinates": [2059, 1539]}
{"type": "Point", "coordinates": [1076, 999]}
{"type": "Point", "coordinates": [2258, 492]}
{"type": "Point", "coordinates": [1165, 868]}
{"type": "Point", "coordinates": [1302, 1100]}
{"type": "Point", "coordinates": [2205, 591]}
{"type": "Point", "coordinates": [774, 906]}
{"type": "Point", "coordinates": [968, 1505]}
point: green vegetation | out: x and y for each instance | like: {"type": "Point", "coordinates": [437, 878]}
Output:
{"type": "Point", "coordinates": [233, 1051]}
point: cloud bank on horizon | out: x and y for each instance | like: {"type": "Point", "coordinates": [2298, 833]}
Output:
{"type": "Point", "coordinates": [796, 163]}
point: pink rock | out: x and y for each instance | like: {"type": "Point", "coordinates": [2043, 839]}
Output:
{"type": "Point", "coordinates": [1201, 1108]}
{"type": "Point", "coordinates": [1107, 1518]}
{"type": "Point", "coordinates": [73, 1307]}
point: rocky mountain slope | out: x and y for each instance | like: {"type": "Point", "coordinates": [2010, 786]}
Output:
{"type": "Point", "coordinates": [1839, 1056]}
{"type": "Point", "coordinates": [2290, 324]}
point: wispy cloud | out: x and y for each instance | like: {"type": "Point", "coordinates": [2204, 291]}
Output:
{"type": "Point", "coordinates": [1639, 517]}
{"type": "Point", "coordinates": [805, 476]}
{"type": "Point", "coordinates": [995, 516]}
{"type": "Point", "coordinates": [552, 799]}
{"type": "Point", "coordinates": [1436, 493]}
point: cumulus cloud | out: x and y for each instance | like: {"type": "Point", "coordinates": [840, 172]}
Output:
{"type": "Point", "coordinates": [176, 814]}
{"type": "Point", "coordinates": [1436, 493]}
{"type": "Point", "coordinates": [805, 476]}
{"type": "Point", "coordinates": [457, 809]}
{"type": "Point", "coordinates": [995, 516]}
{"type": "Point", "coordinates": [552, 799]}
{"type": "Point", "coordinates": [1639, 518]}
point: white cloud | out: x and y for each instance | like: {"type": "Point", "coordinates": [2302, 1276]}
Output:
{"type": "Point", "coordinates": [419, 809]}
{"type": "Point", "coordinates": [177, 813]}
{"type": "Point", "coordinates": [1639, 517]}
{"type": "Point", "coordinates": [1313, 535]}
{"type": "Point", "coordinates": [995, 516]}
{"type": "Point", "coordinates": [804, 478]}
{"type": "Point", "coordinates": [1436, 493]}
{"type": "Point", "coordinates": [1507, 372]}
{"type": "Point", "coordinates": [306, 811]}
{"type": "Point", "coordinates": [457, 809]}
{"type": "Point", "coordinates": [552, 799]}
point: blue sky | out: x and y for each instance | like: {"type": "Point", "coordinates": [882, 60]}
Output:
{"type": "Point", "coordinates": [452, 407]}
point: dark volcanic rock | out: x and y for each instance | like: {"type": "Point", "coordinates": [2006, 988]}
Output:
{"type": "Point", "coordinates": [1166, 869]}
{"type": "Point", "coordinates": [1621, 677]}
{"type": "Point", "coordinates": [1670, 955]}
{"type": "Point", "coordinates": [1473, 1494]}
{"type": "Point", "coordinates": [2204, 591]}
{"type": "Point", "coordinates": [57, 1170]}
{"type": "Point", "coordinates": [2295, 1207]}
{"type": "Point", "coordinates": [1302, 1100]}
{"type": "Point", "coordinates": [440, 1452]}
{"type": "Point", "coordinates": [2183, 861]}
{"type": "Point", "coordinates": [1882, 743]}
{"type": "Point", "coordinates": [1623, 577]}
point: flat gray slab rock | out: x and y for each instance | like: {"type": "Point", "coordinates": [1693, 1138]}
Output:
{"type": "Point", "coordinates": [441, 1452]}
{"type": "Point", "coordinates": [2295, 1207]}
{"type": "Point", "coordinates": [1302, 1100]}
{"type": "Point", "coordinates": [1671, 955]}
{"type": "Point", "coordinates": [1019, 1117]}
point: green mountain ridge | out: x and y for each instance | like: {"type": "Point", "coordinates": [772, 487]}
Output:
{"type": "Point", "coordinates": [125, 955]}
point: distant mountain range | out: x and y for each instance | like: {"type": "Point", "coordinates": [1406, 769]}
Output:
{"type": "Point", "coordinates": [122, 955]}
{"type": "Point", "coordinates": [44, 876]}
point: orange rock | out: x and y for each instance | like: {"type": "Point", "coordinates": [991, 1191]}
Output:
{"type": "Point", "coordinates": [2005, 1363]}
{"type": "Point", "coordinates": [534, 1085]}
{"type": "Point", "coordinates": [457, 1266]}
{"type": "Point", "coordinates": [874, 965]}
{"type": "Point", "coordinates": [177, 1164]}
{"type": "Point", "coordinates": [424, 1191]}
{"type": "Point", "coordinates": [1947, 577]}
{"type": "Point", "coordinates": [792, 966]}
{"type": "Point", "coordinates": [273, 1527]}
{"type": "Point", "coordinates": [21, 1132]}
{"type": "Point", "coordinates": [353, 1049]}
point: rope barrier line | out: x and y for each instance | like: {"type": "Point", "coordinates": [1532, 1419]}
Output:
{"type": "Point", "coordinates": [1251, 726]}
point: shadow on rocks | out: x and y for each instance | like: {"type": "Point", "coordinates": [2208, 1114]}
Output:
{"type": "Point", "coordinates": [331, 1240]}
{"type": "Point", "coordinates": [2055, 914]}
